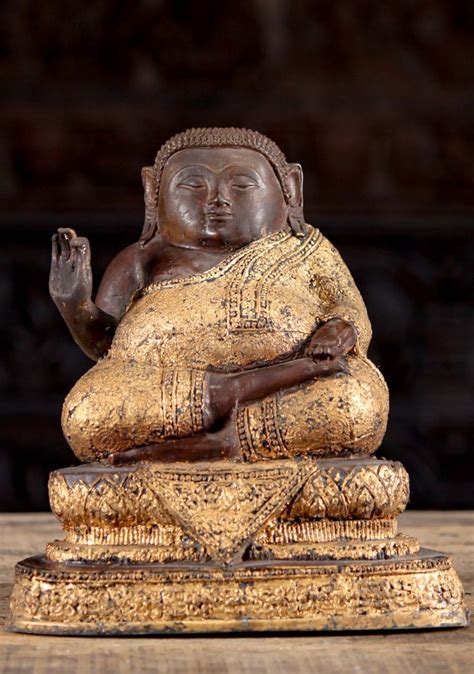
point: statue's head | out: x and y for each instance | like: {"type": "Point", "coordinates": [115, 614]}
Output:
{"type": "Point", "coordinates": [220, 188]}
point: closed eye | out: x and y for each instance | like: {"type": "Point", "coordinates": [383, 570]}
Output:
{"type": "Point", "coordinates": [192, 184]}
{"type": "Point", "coordinates": [241, 185]}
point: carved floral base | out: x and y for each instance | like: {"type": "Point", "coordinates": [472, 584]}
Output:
{"type": "Point", "coordinates": [218, 547]}
{"type": "Point", "coordinates": [421, 591]}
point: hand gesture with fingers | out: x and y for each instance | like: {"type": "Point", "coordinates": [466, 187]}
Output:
{"type": "Point", "coordinates": [70, 278]}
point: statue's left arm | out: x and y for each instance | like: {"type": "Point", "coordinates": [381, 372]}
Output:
{"type": "Point", "coordinates": [343, 323]}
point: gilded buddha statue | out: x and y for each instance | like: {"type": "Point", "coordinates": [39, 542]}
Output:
{"type": "Point", "coordinates": [231, 329]}
{"type": "Point", "coordinates": [227, 425]}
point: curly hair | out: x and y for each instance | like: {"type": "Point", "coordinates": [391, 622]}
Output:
{"type": "Point", "coordinates": [225, 137]}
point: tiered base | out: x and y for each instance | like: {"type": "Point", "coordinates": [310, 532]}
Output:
{"type": "Point", "coordinates": [418, 591]}
{"type": "Point", "coordinates": [220, 547]}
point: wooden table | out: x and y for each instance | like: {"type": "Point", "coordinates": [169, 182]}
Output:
{"type": "Point", "coordinates": [421, 652]}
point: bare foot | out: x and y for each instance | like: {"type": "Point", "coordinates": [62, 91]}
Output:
{"type": "Point", "coordinates": [217, 446]}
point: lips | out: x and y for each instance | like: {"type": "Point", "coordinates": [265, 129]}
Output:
{"type": "Point", "coordinates": [219, 216]}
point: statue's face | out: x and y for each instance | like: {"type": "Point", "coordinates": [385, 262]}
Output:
{"type": "Point", "coordinates": [219, 198]}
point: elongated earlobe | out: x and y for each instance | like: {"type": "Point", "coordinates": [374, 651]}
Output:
{"type": "Point", "coordinates": [295, 183]}
{"type": "Point", "coordinates": [149, 188]}
{"type": "Point", "coordinates": [296, 219]}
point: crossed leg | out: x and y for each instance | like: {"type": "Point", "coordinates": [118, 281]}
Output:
{"type": "Point", "coordinates": [346, 412]}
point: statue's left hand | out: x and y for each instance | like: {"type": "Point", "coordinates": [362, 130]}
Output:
{"type": "Point", "coordinates": [335, 338]}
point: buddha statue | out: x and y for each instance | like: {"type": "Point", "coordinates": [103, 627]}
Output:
{"type": "Point", "coordinates": [228, 425]}
{"type": "Point", "coordinates": [231, 329]}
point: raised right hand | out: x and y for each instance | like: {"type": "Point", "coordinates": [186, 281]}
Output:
{"type": "Point", "coordinates": [70, 278]}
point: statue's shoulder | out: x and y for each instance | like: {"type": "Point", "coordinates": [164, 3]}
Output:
{"type": "Point", "coordinates": [136, 259]}
{"type": "Point", "coordinates": [125, 275]}
{"type": "Point", "coordinates": [326, 260]}
{"type": "Point", "coordinates": [323, 248]}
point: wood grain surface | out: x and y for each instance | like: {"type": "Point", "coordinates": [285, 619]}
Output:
{"type": "Point", "coordinates": [370, 653]}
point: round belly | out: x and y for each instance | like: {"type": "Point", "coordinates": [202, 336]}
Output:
{"type": "Point", "coordinates": [197, 326]}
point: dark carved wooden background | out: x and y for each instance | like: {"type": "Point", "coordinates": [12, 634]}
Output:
{"type": "Point", "coordinates": [375, 99]}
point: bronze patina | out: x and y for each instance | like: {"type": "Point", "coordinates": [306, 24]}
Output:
{"type": "Point", "coordinates": [228, 424]}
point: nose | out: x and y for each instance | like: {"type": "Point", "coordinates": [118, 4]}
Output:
{"type": "Point", "coordinates": [219, 196]}
{"type": "Point", "coordinates": [221, 200]}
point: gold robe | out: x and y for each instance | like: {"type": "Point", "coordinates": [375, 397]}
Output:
{"type": "Point", "coordinates": [258, 306]}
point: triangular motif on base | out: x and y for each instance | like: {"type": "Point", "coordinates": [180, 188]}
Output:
{"type": "Point", "coordinates": [223, 506]}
